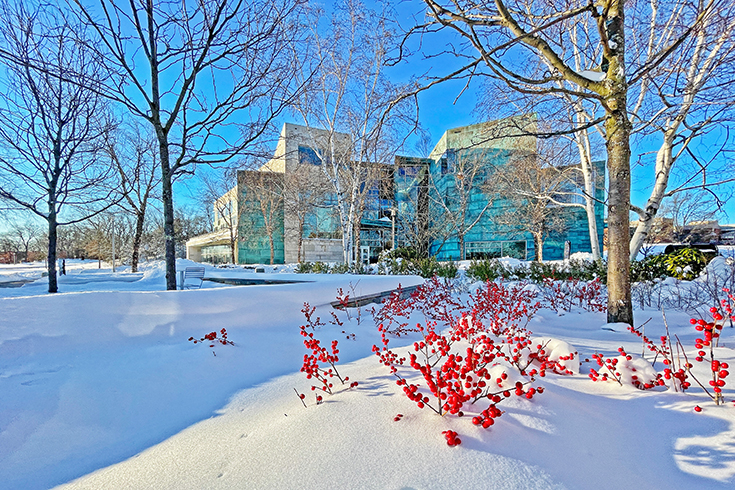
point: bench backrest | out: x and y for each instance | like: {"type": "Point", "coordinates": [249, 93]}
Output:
{"type": "Point", "coordinates": [194, 272]}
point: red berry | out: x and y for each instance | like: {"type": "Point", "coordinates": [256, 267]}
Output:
{"type": "Point", "coordinates": [697, 408]}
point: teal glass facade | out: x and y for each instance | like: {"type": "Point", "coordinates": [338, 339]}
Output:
{"type": "Point", "coordinates": [489, 237]}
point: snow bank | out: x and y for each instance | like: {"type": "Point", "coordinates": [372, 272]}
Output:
{"type": "Point", "coordinates": [101, 389]}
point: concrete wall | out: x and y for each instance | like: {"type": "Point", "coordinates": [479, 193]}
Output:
{"type": "Point", "coordinates": [323, 250]}
{"type": "Point", "coordinates": [293, 136]}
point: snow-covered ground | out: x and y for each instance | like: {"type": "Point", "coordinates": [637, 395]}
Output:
{"type": "Point", "coordinates": [100, 388]}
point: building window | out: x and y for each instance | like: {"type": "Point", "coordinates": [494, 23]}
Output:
{"type": "Point", "coordinates": [516, 249]}
{"type": "Point", "coordinates": [309, 156]}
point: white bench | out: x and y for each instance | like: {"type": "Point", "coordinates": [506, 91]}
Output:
{"type": "Point", "coordinates": [191, 277]}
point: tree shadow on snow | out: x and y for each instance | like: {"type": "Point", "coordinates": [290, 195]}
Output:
{"type": "Point", "coordinates": [584, 440]}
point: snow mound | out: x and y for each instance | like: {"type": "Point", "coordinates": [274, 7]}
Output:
{"type": "Point", "coordinates": [511, 262]}
{"type": "Point", "coordinates": [562, 352]}
{"type": "Point", "coordinates": [635, 370]}
{"type": "Point", "coordinates": [720, 269]}
{"type": "Point", "coordinates": [582, 256]}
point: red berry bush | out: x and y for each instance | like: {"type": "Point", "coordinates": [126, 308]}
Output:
{"type": "Point", "coordinates": [563, 295]}
{"type": "Point", "coordinates": [320, 364]}
{"type": "Point", "coordinates": [626, 369]}
{"type": "Point", "coordinates": [707, 347]}
{"type": "Point", "coordinates": [677, 372]}
{"type": "Point", "coordinates": [212, 339]}
{"type": "Point", "coordinates": [486, 355]}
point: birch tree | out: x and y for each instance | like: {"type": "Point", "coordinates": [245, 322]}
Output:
{"type": "Point", "coordinates": [684, 98]}
{"type": "Point", "coordinates": [357, 117]}
{"type": "Point", "coordinates": [521, 43]}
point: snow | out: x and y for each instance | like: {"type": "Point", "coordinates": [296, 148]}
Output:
{"type": "Point", "coordinates": [719, 270]}
{"type": "Point", "coordinates": [582, 256]}
{"type": "Point", "coordinates": [99, 388]}
{"type": "Point", "coordinates": [595, 76]}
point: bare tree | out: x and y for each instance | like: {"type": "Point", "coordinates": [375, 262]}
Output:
{"type": "Point", "coordinates": [50, 126]}
{"type": "Point", "coordinates": [134, 156]}
{"type": "Point", "coordinates": [562, 109]}
{"type": "Point", "coordinates": [189, 221]}
{"type": "Point", "coordinates": [108, 236]}
{"type": "Point", "coordinates": [263, 195]}
{"type": "Point", "coordinates": [521, 43]}
{"type": "Point", "coordinates": [9, 248]}
{"type": "Point", "coordinates": [457, 193]}
{"type": "Point", "coordinates": [684, 99]}
{"type": "Point", "coordinates": [22, 238]}
{"type": "Point", "coordinates": [222, 194]}
{"type": "Point", "coordinates": [672, 105]}
{"type": "Point", "coordinates": [217, 72]}
{"type": "Point", "coordinates": [540, 187]}
{"type": "Point", "coordinates": [359, 117]}
{"type": "Point", "coordinates": [691, 212]}
{"type": "Point", "coordinates": [27, 235]}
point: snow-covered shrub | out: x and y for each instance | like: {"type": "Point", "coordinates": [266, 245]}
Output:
{"type": "Point", "coordinates": [694, 297]}
{"type": "Point", "coordinates": [563, 295]}
{"type": "Point", "coordinates": [626, 369]}
{"type": "Point", "coordinates": [685, 264]}
{"type": "Point", "coordinates": [488, 270]}
{"type": "Point", "coordinates": [426, 267]}
{"type": "Point", "coordinates": [650, 269]}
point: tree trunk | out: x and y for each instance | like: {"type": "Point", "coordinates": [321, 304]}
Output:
{"type": "Point", "coordinates": [590, 184]}
{"type": "Point", "coordinates": [348, 239]}
{"type": "Point", "coordinates": [619, 306]}
{"type": "Point", "coordinates": [617, 126]}
{"type": "Point", "coordinates": [273, 248]}
{"type": "Point", "coordinates": [139, 221]}
{"type": "Point", "coordinates": [357, 251]}
{"type": "Point", "coordinates": [299, 251]}
{"type": "Point", "coordinates": [461, 247]}
{"type": "Point", "coordinates": [233, 243]}
{"type": "Point", "coordinates": [168, 211]}
{"type": "Point", "coordinates": [538, 244]}
{"type": "Point", "coordinates": [664, 162]}
{"type": "Point", "coordinates": [590, 188]}
{"type": "Point", "coordinates": [589, 207]}
{"type": "Point", "coordinates": [52, 237]}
